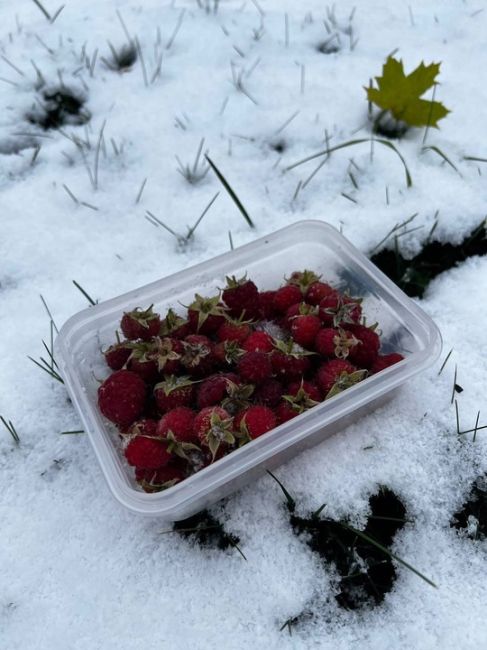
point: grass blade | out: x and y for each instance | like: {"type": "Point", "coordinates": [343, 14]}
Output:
{"type": "Point", "coordinates": [291, 503]}
{"type": "Point", "coordinates": [375, 543]}
{"type": "Point", "coordinates": [85, 294]}
{"type": "Point", "coordinates": [352, 143]}
{"type": "Point", "coordinates": [230, 191]}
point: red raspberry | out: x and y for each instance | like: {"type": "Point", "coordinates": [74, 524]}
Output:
{"type": "Point", "coordinates": [304, 329]}
{"type": "Point", "coordinates": [310, 390]}
{"type": "Point", "coordinates": [254, 367]}
{"type": "Point", "coordinates": [214, 389]}
{"type": "Point", "coordinates": [266, 304]}
{"type": "Point", "coordinates": [232, 330]}
{"type": "Point", "coordinates": [259, 342]}
{"type": "Point", "coordinates": [333, 342]}
{"type": "Point", "coordinates": [173, 392]}
{"type": "Point", "coordinates": [269, 393]}
{"type": "Point", "coordinates": [289, 361]}
{"type": "Point", "coordinates": [155, 480]}
{"type": "Point", "coordinates": [317, 291]}
{"type": "Point", "coordinates": [145, 368]}
{"type": "Point", "coordinates": [205, 315]}
{"type": "Point", "coordinates": [140, 324]}
{"type": "Point", "coordinates": [180, 422]}
{"type": "Point", "coordinates": [365, 352]}
{"type": "Point", "coordinates": [166, 352]}
{"type": "Point", "coordinates": [117, 355]}
{"type": "Point", "coordinates": [147, 453]}
{"type": "Point", "coordinates": [338, 372]}
{"type": "Point", "coordinates": [144, 427]}
{"type": "Point", "coordinates": [336, 309]}
{"type": "Point", "coordinates": [285, 412]}
{"type": "Point", "coordinates": [174, 326]}
{"type": "Point", "coordinates": [255, 421]}
{"type": "Point", "coordinates": [198, 358]}
{"type": "Point", "coordinates": [214, 428]}
{"type": "Point", "coordinates": [241, 297]}
{"type": "Point", "coordinates": [285, 297]}
{"type": "Point", "coordinates": [384, 361]}
{"type": "Point", "coordinates": [121, 397]}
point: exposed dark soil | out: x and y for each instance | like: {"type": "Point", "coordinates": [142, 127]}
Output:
{"type": "Point", "coordinates": [414, 275]}
{"type": "Point", "coordinates": [472, 517]}
{"type": "Point", "coordinates": [206, 531]}
{"type": "Point", "coordinates": [58, 107]}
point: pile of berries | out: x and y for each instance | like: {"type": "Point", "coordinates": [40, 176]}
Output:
{"type": "Point", "coordinates": [186, 391]}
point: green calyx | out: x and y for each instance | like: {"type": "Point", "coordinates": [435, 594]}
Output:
{"type": "Point", "coordinates": [343, 342]}
{"type": "Point", "coordinates": [142, 316]}
{"type": "Point", "coordinates": [220, 431]}
{"type": "Point", "coordinates": [194, 353]}
{"type": "Point", "coordinates": [346, 380]}
{"type": "Point", "coordinates": [172, 383]}
{"type": "Point", "coordinates": [162, 352]}
{"type": "Point", "coordinates": [301, 401]}
{"type": "Point", "coordinates": [291, 348]}
{"type": "Point", "coordinates": [303, 279]}
{"type": "Point", "coordinates": [233, 351]}
{"type": "Point", "coordinates": [238, 396]}
{"type": "Point", "coordinates": [171, 323]}
{"type": "Point", "coordinates": [233, 283]}
{"type": "Point", "coordinates": [181, 449]}
{"type": "Point", "coordinates": [206, 307]}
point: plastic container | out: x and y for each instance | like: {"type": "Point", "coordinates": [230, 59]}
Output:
{"type": "Point", "coordinates": [306, 244]}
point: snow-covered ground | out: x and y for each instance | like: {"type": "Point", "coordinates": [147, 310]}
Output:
{"type": "Point", "coordinates": [77, 570]}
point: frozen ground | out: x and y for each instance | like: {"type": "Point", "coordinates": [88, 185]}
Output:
{"type": "Point", "coordinates": [77, 571]}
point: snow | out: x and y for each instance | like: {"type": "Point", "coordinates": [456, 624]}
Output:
{"type": "Point", "coordinates": [80, 572]}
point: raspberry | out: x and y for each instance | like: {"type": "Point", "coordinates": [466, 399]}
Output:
{"type": "Point", "coordinates": [155, 480]}
{"type": "Point", "coordinates": [259, 342]}
{"type": "Point", "coordinates": [147, 453]}
{"type": "Point", "coordinates": [384, 361]}
{"type": "Point", "coordinates": [338, 375]}
{"type": "Point", "coordinates": [180, 422]}
{"type": "Point", "coordinates": [333, 342]}
{"type": "Point", "coordinates": [232, 330]}
{"type": "Point", "coordinates": [269, 393]}
{"type": "Point", "coordinates": [266, 304]}
{"type": "Point", "coordinates": [254, 367]}
{"type": "Point", "coordinates": [116, 356]}
{"type": "Point", "coordinates": [285, 297]}
{"type": "Point", "coordinates": [166, 352]}
{"type": "Point", "coordinates": [173, 392]}
{"type": "Point", "coordinates": [140, 324]}
{"type": "Point", "coordinates": [205, 315]}
{"type": "Point", "coordinates": [141, 363]}
{"type": "Point", "coordinates": [304, 329]}
{"type": "Point", "coordinates": [227, 353]}
{"type": "Point", "coordinates": [241, 298]}
{"type": "Point", "coordinates": [214, 428]}
{"type": "Point", "coordinates": [310, 390]}
{"type": "Point", "coordinates": [144, 427]}
{"type": "Point", "coordinates": [214, 389]}
{"type": "Point", "coordinates": [317, 291]}
{"type": "Point", "coordinates": [285, 412]}
{"type": "Point", "coordinates": [255, 421]}
{"type": "Point", "coordinates": [336, 309]}
{"type": "Point", "coordinates": [121, 397]}
{"type": "Point", "coordinates": [303, 280]}
{"type": "Point", "coordinates": [289, 361]}
{"type": "Point", "coordinates": [174, 326]}
{"type": "Point", "coordinates": [198, 356]}
{"type": "Point", "coordinates": [365, 352]}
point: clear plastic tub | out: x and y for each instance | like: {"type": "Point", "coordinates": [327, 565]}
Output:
{"type": "Point", "coordinates": [306, 244]}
